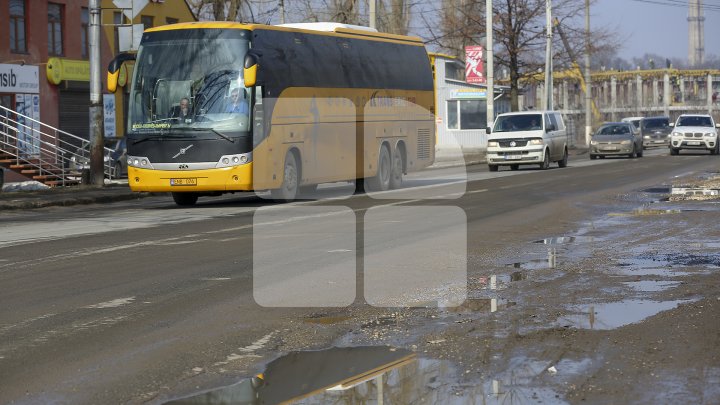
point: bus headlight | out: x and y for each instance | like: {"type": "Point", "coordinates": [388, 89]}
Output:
{"type": "Point", "coordinates": [233, 160]}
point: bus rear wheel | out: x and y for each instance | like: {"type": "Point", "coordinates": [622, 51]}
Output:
{"type": "Point", "coordinates": [396, 174]}
{"type": "Point", "coordinates": [185, 199]}
{"type": "Point", "coordinates": [381, 180]}
{"type": "Point", "coordinates": [289, 189]}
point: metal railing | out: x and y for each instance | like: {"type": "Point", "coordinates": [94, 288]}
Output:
{"type": "Point", "coordinates": [49, 151]}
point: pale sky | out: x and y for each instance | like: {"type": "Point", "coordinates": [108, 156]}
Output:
{"type": "Point", "coordinates": [650, 27]}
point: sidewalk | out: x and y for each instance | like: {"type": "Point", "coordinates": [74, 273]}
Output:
{"type": "Point", "coordinates": [29, 197]}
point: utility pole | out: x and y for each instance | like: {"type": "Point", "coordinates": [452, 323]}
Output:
{"type": "Point", "coordinates": [548, 57]}
{"type": "Point", "coordinates": [97, 172]}
{"type": "Point", "coordinates": [489, 52]}
{"type": "Point", "coordinates": [282, 11]}
{"type": "Point", "coordinates": [372, 16]}
{"type": "Point", "coordinates": [588, 83]}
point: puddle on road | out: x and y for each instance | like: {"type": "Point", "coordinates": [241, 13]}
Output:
{"type": "Point", "coordinates": [668, 265]}
{"type": "Point", "coordinates": [477, 305]}
{"type": "Point", "coordinates": [535, 264]}
{"type": "Point", "coordinates": [616, 314]}
{"type": "Point", "coordinates": [652, 285]}
{"type": "Point", "coordinates": [361, 375]}
{"type": "Point", "coordinates": [564, 240]}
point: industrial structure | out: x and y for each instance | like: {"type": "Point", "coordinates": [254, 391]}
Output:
{"type": "Point", "coordinates": [696, 33]}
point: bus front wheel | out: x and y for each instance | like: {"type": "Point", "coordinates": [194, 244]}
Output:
{"type": "Point", "coordinates": [289, 189]}
{"type": "Point", "coordinates": [381, 180]}
{"type": "Point", "coordinates": [185, 199]}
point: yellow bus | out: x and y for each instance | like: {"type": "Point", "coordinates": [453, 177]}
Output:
{"type": "Point", "coordinates": [217, 107]}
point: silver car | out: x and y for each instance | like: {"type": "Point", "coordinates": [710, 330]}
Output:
{"type": "Point", "coordinates": [616, 139]}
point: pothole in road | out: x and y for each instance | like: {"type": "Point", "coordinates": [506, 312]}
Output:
{"type": "Point", "coordinates": [615, 314]}
{"type": "Point", "coordinates": [360, 375]}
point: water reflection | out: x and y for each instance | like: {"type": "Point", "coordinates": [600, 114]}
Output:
{"type": "Point", "coordinates": [616, 314]}
{"type": "Point", "coordinates": [374, 375]}
{"type": "Point", "coordinates": [351, 373]}
{"type": "Point", "coordinates": [563, 240]}
{"type": "Point", "coordinates": [538, 264]}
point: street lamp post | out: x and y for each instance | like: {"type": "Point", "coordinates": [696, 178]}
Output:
{"type": "Point", "coordinates": [489, 54]}
{"type": "Point", "coordinates": [97, 172]}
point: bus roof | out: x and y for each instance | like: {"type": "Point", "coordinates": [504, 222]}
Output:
{"type": "Point", "coordinates": [324, 28]}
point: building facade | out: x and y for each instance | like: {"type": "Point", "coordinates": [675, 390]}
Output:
{"type": "Point", "coordinates": [461, 107]}
{"type": "Point", "coordinates": [44, 66]}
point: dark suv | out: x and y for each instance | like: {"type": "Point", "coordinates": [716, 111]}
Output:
{"type": "Point", "coordinates": [655, 131]}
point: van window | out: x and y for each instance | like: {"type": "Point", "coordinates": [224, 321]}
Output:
{"type": "Point", "coordinates": [550, 120]}
{"type": "Point", "coordinates": [523, 122]}
{"type": "Point", "coordinates": [559, 121]}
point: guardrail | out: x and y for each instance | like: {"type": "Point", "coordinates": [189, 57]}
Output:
{"type": "Point", "coordinates": [53, 155]}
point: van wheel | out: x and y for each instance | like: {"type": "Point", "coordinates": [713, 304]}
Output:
{"type": "Point", "coordinates": [546, 160]}
{"type": "Point", "coordinates": [289, 189]}
{"type": "Point", "coordinates": [493, 168]}
{"type": "Point", "coordinates": [593, 157]}
{"type": "Point", "coordinates": [185, 199]}
{"type": "Point", "coordinates": [381, 180]}
{"type": "Point", "coordinates": [563, 162]}
{"type": "Point", "coordinates": [674, 151]}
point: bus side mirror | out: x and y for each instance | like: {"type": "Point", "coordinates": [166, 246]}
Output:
{"type": "Point", "coordinates": [250, 69]}
{"type": "Point", "coordinates": [114, 69]}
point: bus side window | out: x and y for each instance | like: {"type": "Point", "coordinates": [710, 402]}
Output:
{"type": "Point", "coordinates": [258, 120]}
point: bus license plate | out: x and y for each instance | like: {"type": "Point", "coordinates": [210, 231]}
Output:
{"type": "Point", "coordinates": [184, 182]}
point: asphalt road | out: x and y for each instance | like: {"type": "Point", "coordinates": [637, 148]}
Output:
{"type": "Point", "coordinates": [143, 301]}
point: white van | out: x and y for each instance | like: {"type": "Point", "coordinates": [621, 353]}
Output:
{"type": "Point", "coordinates": [527, 137]}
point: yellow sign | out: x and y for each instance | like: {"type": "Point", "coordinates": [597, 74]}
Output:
{"type": "Point", "coordinates": [59, 69]}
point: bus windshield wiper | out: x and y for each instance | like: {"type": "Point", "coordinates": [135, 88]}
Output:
{"type": "Point", "coordinates": [153, 137]}
{"type": "Point", "coordinates": [215, 131]}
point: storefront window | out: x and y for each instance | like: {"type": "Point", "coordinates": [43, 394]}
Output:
{"type": "Point", "coordinates": [17, 26]}
{"type": "Point", "coordinates": [55, 40]}
{"type": "Point", "coordinates": [452, 114]}
{"type": "Point", "coordinates": [466, 114]}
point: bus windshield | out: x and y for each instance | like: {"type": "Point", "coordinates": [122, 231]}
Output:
{"type": "Point", "coordinates": [190, 79]}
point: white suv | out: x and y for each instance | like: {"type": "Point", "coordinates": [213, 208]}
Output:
{"type": "Point", "coordinates": [695, 132]}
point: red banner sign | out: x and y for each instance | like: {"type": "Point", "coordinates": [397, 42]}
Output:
{"type": "Point", "coordinates": [474, 68]}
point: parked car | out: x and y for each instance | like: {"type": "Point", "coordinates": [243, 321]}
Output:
{"type": "Point", "coordinates": [695, 132]}
{"type": "Point", "coordinates": [656, 131]}
{"type": "Point", "coordinates": [616, 139]}
{"type": "Point", "coordinates": [114, 160]}
{"type": "Point", "coordinates": [528, 137]}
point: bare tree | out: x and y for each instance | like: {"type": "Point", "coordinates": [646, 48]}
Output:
{"type": "Point", "coordinates": [461, 23]}
{"type": "Point", "coordinates": [520, 34]}
{"type": "Point", "coordinates": [234, 10]}
{"type": "Point", "coordinates": [394, 16]}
